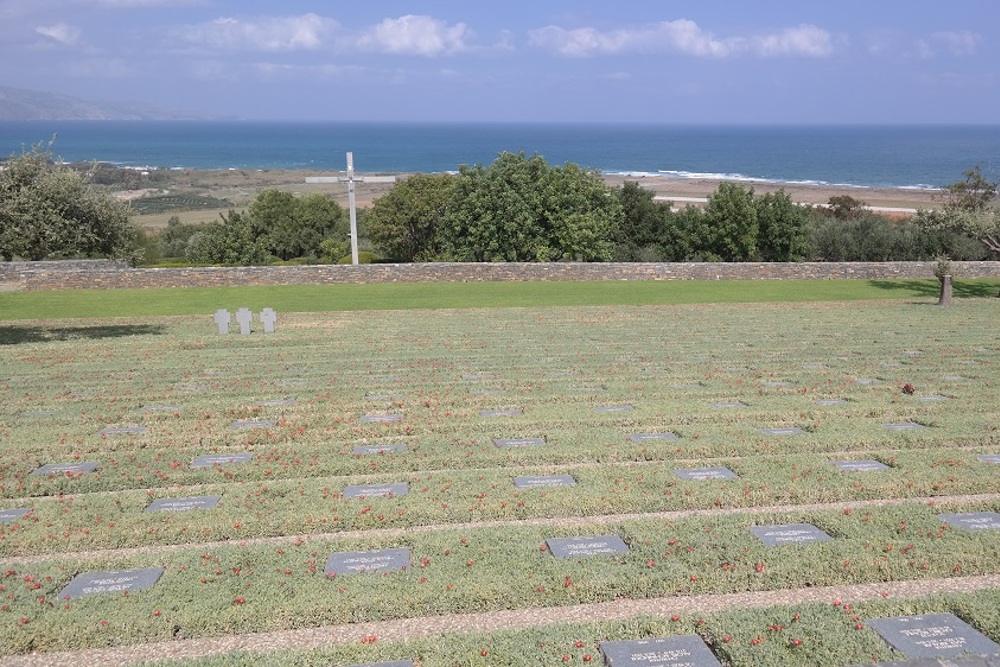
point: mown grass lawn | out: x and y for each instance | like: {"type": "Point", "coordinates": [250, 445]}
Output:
{"type": "Point", "coordinates": [583, 384]}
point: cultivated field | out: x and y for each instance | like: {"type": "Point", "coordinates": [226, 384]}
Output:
{"type": "Point", "coordinates": [426, 417]}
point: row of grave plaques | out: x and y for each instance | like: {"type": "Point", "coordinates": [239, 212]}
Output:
{"type": "Point", "coordinates": [244, 318]}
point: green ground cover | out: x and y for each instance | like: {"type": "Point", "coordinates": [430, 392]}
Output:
{"type": "Point", "coordinates": [476, 540]}
{"type": "Point", "coordinates": [414, 296]}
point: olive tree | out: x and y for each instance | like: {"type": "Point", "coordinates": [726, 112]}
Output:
{"type": "Point", "coordinates": [50, 211]}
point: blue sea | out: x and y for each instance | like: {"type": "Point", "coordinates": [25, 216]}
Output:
{"type": "Point", "coordinates": [862, 156]}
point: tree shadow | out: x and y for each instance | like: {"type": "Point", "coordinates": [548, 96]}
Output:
{"type": "Point", "coordinates": [931, 288]}
{"type": "Point", "coordinates": [17, 334]}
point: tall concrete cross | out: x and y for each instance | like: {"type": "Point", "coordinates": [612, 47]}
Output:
{"type": "Point", "coordinates": [351, 179]}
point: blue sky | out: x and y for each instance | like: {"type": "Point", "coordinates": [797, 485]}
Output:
{"type": "Point", "coordinates": [710, 61]}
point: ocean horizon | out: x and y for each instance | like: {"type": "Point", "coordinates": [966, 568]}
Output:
{"type": "Point", "coordinates": [863, 156]}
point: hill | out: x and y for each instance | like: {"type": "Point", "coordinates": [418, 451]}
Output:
{"type": "Point", "coordinates": [21, 104]}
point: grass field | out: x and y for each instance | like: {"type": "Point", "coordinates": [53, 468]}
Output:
{"type": "Point", "coordinates": [617, 397]}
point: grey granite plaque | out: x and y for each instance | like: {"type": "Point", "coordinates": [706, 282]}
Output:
{"type": "Point", "coordinates": [222, 319]}
{"type": "Point", "coordinates": [932, 636]}
{"type": "Point", "coordinates": [990, 458]}
{"type": "Point", "coordinates": [115, 581]}
{"type": "Point", "coordinates": [381, 419]}
{"type": "Point", "coordinates": [509, 412]}
{"type": "Point", "coordinates": [729, 404]}
{"type": "Point", "coordinates": [253, 423]}
{"type": "Point", "coordinates": [586, 390]}
{"type": "Point", "coordinates": [376, 490]}
{"type": "Point", "coordinates": [687, 385]}
{"type": "Point", "coordinates": [382, 397]}
{"type": "Point", "coordinates": [792, 533]}
{"type": "Point", "coordinates": [486, 392]}
{"type": "Point", "coordinates": [211, 460]}
{"type": "Point", "coordinates": [646, 437]}
{"type": "Point", "coordinates": [122, 430]}
{"type": "Point", "coordinates": [391, 663]}
{"type": "Point", "coordinates": [866, 381]}
{"type": "Point", "coordinates": [192, 387]}
{"type": "Point", "coordinates": [613, 408]}
{"type": "Point", "coordinates": [66, 468]}
{"type": "Point", "coordinates": [378, 449]}
{"type": "Point", "coordinates": [184, 504]}
{"type": "Point", "coordinates": [13, 514]}
{"type": "Point", "coordinates": [578, 547]}
{"type": "Point", "coordinates": [509, 443]}
{"type": "Point", "coordinates": [275, 401]}
{"type": "Point", "coordinates": [932, 398]}
{"type": "Point", "coordinates": [860, 466]}
{"type": "Point", "coordinates": [954, 378]}
{"type": "Point", "coordinates": [161, 408]}
{"type": "Point", "coordinates": [679, 651]}
{"type": "Point", "coordinates": [354, 562]}
{"type": "Point", "coordinates": [903, 426]}
{"type": "Point", "coordinates": [815, 366]}
{"type": "Point", "coordinates": [244, 317]}
{"type": "Point", "coordinates": [973, 520]}
{"type": "Point", "coordinates": [293, 382]}
{"type": "Point", "coordinates": [530, 482]}
{"type": "Point", "coordinates": [788, 430]}
{"type": "Point", "coordinates": [830, 401]}
{"type": "Point", "coordinates": [776, 384]}
{"type": "Point", "coordinates": [477, 376]}
{"type": "Point", "coordinates": [386, 379]}
{"type": "Point", "coordinates": [716, 472]}
{"type": "Point", "coordinates": [40, 413]}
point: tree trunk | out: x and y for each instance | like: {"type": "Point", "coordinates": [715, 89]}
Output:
{"type": "Point", "coordinates": [945, 298]}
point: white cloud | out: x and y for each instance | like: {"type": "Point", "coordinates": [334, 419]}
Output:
{"type": "Point", "coordinates": [681, 36]}
{"type": "Point", "coordinates": [962, 43]}
{"type": "Point", "coordinates": [415, 35]}
{"type": "Point", "coordinates": [262, 33]}
{"type": "Point", "coordinates": [60, 32]}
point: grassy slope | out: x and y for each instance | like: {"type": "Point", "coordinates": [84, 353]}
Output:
{"type": "Point", "coordinates": [318, 298]}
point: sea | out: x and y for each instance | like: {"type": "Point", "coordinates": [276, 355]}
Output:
{"type": "Point", "coordinates": [863, 156]}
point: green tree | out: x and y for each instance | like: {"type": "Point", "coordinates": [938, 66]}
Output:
{"type": "Point", "coordinates": [404, 223]}
{"type": "Point", "coordinates": [48, 210]}
{"type": "Point", "coordinates": [782, 235]}
{"type": "Point", "coordinates": [291, 226]}
{"type": "Point", "coordinates": [643, 227]}
{"type": "Point", "coordinates": [232, 241]}
{"type": "Point", "coordinates": [974, 194]}
{"type": "Point", "coordinates": [520, 210]}
{"type": "Point", "coordinates": [734, 226]}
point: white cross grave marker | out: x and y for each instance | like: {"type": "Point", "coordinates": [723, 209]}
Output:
{"type": "Point", "coordinates": [222, 319]}
{"type": "Point", "coordinates": [244, 316]}
{"type": "Point", "coordinates": [351, 179]}
{"type": "Point", "coordinates": [268, 318]}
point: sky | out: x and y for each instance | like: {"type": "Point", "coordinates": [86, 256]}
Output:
{"type": "Point", "coordinates": [643, 61]}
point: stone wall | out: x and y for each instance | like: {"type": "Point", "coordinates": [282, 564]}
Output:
{"type": "Point", "coordinates": [41, 276]}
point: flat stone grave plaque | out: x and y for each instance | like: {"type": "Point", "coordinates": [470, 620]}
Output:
{"type": "Point", "coordinates": [382, 397]}
{"type": "Point", "coordinates": [912, 353]}
{"type": "Point", "coordinates": [13, 514]}
{"type": "Point", "coordinates": [381, 419]}
{"type": "Point", "coordinates": [115, 581]}
{"type": "Point", "coordinates": [212, 460]}
{"type": "Point", "coordinates": [295, 382]}
{"type": "Point", "coordinates": [477, 376]}
{"type": "Point", "coordinates": [122, 430]}
{"type": "Point", "coordinates": [687, 385]}
{"type": "Point", "coordinates": [715, 472]}
{"type": "Point", "coordinates": [866, 381]}
{"type": "Point", "coordinates": [509, 412]}
{"type": "Point", "coordinates": [792, 533]}
{"type": "Point", "coordinates": [161, 408]}
{"type": "Point", "coordinates": [510, 443]}
{"type": "Point", "coordinates": [815, 366]}
{"type": "Point", "coordinates": [931, 398]}
{"type": "Point", "coordinates": [376, 490]}
{"type": "Point", "coordinates": [890, 364]}
{"type": "Point", "coordinates": [613, 408]}
{"type": "Point", "coordinates": [679, 651]}
{"type": "Point", "coordinates": [378, 449]}
{"type": "Point", "coordinates": [903, 426]}
{"type": "Point", "coordinates": [253, 423]}
{"type": "Point", "coordinates": [66, 468]}
{"type": "Point", "coordinates": [990, 458]}
{"type": "Point", "coordinates": [40, 413]}
{"type": "Point", "coordinates": [776, 384]}
{"type": "Point", "coordinates": [729, 404]}
{"type": "Point", "coordinates": [788, 430]}
{"type": "Point", "coordinates": [244, 317]}
{"type": "Point", "coordinates": [391, 663]}
{"type": "Point", "coordinates": [486, 392]}
{"type": "Point", "coordinates": [83, 394]}
{"type": "Point", "coordinates": [932, 636]}
{"type": "Point", "coordinates": [354, 562]}
{"type": "Point", "coordinates": [192, 387]}
{"type": "Point", "coordinates": [531, 482]}
{"type": "Point", "coordinates": [973, 520]}
{"type": "Point", "coordinates": [386, 379]}
{"type": "Point", "coordinates": [954, 378]}
{"type": "Point", "coordinates": [586, 390]}
{"type": "Point", "coordinates": [830, 401]}
{"type": "Point", "coordinates": [578, 547]}
{"type": "Point", "coordinates": [275, 401]}
{"type": "Point", "coordinates": [646, 437]}
{"type": "Point", "coordinates": [183, 504]}
{"type": "Point", "coordinates": [859, 466]}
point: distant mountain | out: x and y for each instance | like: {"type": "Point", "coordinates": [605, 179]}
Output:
{"type": "Point", "coordinates": [21, 104]}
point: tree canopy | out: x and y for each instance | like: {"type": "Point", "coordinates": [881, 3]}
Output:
{"type": "Point", "coordinates": [50, 211]}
